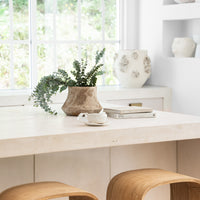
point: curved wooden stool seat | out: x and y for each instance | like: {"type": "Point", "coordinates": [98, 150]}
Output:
{"type": "Point", "coordinates": [44, 191]}
{"type": "Point", "coordinates": [133, 185]}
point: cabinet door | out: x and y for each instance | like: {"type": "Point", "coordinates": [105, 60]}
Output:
{"type": "Point", "coordinates": [155, 155]}
{"type": "Point", "coordinates": [16, 171]}
{"type": "Point", "coordinates": [85, 169]}
{"type": "Point", "coordinates": [155, 103]}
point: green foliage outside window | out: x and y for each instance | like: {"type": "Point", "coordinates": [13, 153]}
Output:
{"type": "Point", "coordinates": [67, 12]}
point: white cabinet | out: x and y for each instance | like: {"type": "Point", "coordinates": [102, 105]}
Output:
{"type": "Point", "coordinates": [16, 171]}
{"type": "Point", "coordinates": [158, 98]}
{"type": "Point", "coordinates": [155, 103]}
{"type": "Point", "coordinates": [92, 169]}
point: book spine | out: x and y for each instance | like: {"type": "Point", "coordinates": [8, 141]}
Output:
{"type": "Point", "coordinates": [131, 116]}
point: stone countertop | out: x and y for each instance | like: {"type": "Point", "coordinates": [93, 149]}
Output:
{"type": "Point", "coordinates": [25, 130]}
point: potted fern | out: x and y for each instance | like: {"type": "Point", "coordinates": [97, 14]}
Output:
{"type": "Point", "coordinates": [82, 92]}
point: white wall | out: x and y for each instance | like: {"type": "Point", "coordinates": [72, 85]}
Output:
{"type": "Point", "coordinates": [182, 75]}
{"type": "Point", "coordinates": [129, 24]}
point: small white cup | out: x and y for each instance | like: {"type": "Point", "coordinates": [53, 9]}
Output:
{"type": "Point", "coordinates": [97, 118]}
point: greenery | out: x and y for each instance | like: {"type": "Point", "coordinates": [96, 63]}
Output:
{"type": "Point", "coordinates": [60, 80]}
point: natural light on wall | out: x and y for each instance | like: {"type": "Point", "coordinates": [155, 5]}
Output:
{"type": "Point", "coordinates": [39, 36]}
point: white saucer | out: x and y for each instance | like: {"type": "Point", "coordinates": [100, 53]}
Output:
{"type": "Point", "coordinates": [97, 124]}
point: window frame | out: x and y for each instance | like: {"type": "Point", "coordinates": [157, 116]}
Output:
{"type": "Point", "coordinates": [123, 6]}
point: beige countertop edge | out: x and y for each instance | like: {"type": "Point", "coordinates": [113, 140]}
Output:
{"type": "Point", "coordinates": [98, 139]}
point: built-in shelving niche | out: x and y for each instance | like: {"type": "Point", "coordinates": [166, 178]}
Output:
{"type": "Point", "coordinates": [178, 28]}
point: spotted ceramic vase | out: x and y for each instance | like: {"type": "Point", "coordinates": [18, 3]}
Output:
{"type": "Point", "coordinates": [132, 67]}
{"type": "Point", "coordinates": [81, 100]}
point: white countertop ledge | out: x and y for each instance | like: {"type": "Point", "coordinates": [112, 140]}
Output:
{"type": "Point", "coordinates": [25, 130]}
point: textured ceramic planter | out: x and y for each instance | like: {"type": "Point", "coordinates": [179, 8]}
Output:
{"type": "Point", "coordinates": [132, 67]}
{"type": "Point", "coordinates": [81, 100]}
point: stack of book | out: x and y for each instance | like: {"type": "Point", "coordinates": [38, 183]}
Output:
{"type": "Point", "coordinates": [125, 112]}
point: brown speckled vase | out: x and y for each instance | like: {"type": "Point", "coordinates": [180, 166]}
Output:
{"type": "Point", "coordinates": [81, 100]}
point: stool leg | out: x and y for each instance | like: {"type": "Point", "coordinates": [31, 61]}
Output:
{"type": "Point", "coordinates": [179, 191]}
{"type": "Point", "coordinates": [185, 191]}
{"type": "Point", "coordinates": [194, 191]}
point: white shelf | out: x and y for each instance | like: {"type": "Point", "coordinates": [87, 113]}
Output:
{"type": "Point", "coordinates": [181, 11]}
{"type": "Point", "coordinates": [169, 2]}
{"type": "Point", "coordinates": [187, 60]}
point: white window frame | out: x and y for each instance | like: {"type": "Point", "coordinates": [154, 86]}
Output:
{"type": "Point", "coordinates": [127, 12]}
{"type": "Point", "coordinates": [79, 42]}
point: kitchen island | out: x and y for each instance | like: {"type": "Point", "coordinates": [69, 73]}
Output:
{"type": "Point", "coordinates": [26, 131]}
{"type": "Point", "coordinates": [60, 148]}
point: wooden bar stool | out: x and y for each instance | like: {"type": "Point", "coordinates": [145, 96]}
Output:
{"type": "Point", "coordinates": [44, 191]}
{"type": "Point", "coordinates": [133, 185]}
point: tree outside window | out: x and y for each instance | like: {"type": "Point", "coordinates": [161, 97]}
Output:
{"type": "Point", "coordinates": [60, 31]}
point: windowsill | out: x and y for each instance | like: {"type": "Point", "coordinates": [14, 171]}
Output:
{"type": "Point", "coordinates": [14, 92]}
{"type": "Point", "coordinates": [100, 88]}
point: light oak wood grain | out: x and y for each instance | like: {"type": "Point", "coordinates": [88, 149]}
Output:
{"type": "Point", "coordinates": [44, 191]}
{"type": "Point", "coordinates": [134, 185]}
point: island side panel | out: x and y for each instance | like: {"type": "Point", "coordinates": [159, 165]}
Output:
{"type": "Point", "coordinates": [85, 169]}
{"type": "Point", "coordinates": [155, 155]}
{"type": "Point", "coordinates": [189, 157]}
{"type": "Point", "coordinates": [15, 171]}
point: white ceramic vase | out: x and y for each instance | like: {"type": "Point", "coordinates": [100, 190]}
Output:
{"type": "Point", "coordinates": [196, 38]}
{"type": "Point", "coordinates": [183, 47]}
{"type": "Point", "coordinates": [132, 67]}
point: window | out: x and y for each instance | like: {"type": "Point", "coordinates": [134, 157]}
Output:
{"type": "Point", "coordinates": [39, 36]}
